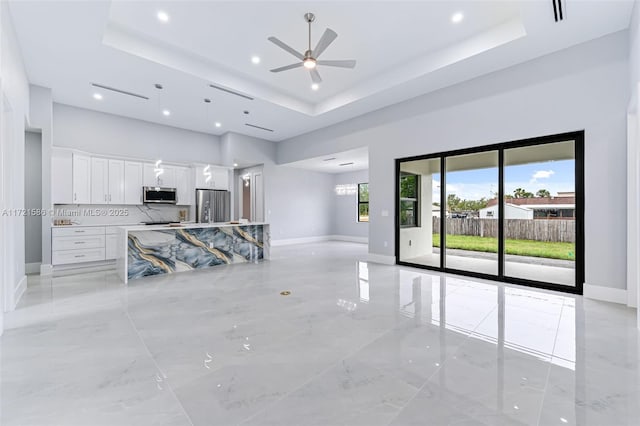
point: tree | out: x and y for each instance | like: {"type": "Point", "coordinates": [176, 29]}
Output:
{"type": "Point", "coordinates": [542, 193]}
{"type": "Point", "coordinates": [521, 193]}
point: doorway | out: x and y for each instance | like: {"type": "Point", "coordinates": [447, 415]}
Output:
{"type": "Point", "coordinates": [510, 212]}
{"type": "Point", "coordinates": [250, 194]}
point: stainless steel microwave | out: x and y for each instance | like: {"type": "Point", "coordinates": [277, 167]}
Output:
{"type": "Point", "coordinates": [154, 194]}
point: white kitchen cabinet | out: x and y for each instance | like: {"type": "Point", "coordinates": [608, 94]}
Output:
{"type": "Point", "coordinates": [220, 178]}
{"type": "Point", "coordinates": [107, 181]}
{"type": "Point", "coordinates": [166, 179]}
{"type": "Point", "coordinates": [133, 183]}
{"type": "Point", "coordinates": [214, 177]}
{"type": "Point", "coordinates": [99, 180]}
{"type": "Point", "coordinates": [184, 187]}
{"type": "Point", "coordinates": [116, 182]}
{"type": "Point", "coordinates": [77, 245]}
{"type": "Point", "coordinates": [81, 179]}
{"type": "Point", "coordinates": [62, 172]}
{"type": "Point", "coordinates": [111, 243]}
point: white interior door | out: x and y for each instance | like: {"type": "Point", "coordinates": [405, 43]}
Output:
{"type": "Point", "coordinates": [258, 198]}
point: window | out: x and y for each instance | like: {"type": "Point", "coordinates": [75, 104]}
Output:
{"type": "Point", "coordinates": [363, 202]}
{"type": "Point", "coordinates": [409, 199]}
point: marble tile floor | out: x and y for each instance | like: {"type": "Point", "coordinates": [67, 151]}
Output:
{"type": "Point", "coordinates": [355, 343]}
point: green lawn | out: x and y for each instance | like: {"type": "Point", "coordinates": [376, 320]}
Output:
{"type": "Point", "coordinates": [564, 251]}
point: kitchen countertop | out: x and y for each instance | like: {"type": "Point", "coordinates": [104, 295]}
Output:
{"type": "Point", "coordinates": [187, 226]}
{"type": "Point", "coordinates": [93, 225]}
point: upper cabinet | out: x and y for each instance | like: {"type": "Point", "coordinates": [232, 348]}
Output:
{"type": "Point", "coordinates": [212, 177]}
{"type": "Point", "coordinates": [107, 181]}
{"type": "Point", "coordinates": [162, 176]}
{"type": "Point", "coordinates": [133, 182]}
{"type": "Point", "coordinates": [116, 182]}
{"type": "Point", "coordinates": [184, 186]}
{"type": "Point", "coordinates": [81, 179]}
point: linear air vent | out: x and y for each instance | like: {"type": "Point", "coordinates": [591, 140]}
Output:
{"type": "Point", "coordinates": [329, 159]}
{"type": "Point", "coordinates": [230, 91]}
{"type": "Point", "coordinates": [122, 92]}
{"type": "Point", "coordinates": [258, 127]}
{"type": "Point", "coordinates": [346, 164]}
{"type": "Point", "coordinates": [558, 14]}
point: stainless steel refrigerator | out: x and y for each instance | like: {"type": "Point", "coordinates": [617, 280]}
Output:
{"type": "Point", "coordinates": [213, 206]}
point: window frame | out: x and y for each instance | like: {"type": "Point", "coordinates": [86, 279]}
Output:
{"type": "Point", "coordinates": [360, 202]}
{"type": "Point", "coordinates": [415, 201]}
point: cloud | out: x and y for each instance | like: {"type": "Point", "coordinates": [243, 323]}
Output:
{"type": "Point", "coordinates": [541, 174]}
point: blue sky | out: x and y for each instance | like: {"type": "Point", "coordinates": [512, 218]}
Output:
{"type": "Point", "coordinates": [553, 176]}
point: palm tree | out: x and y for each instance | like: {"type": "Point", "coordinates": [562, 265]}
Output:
{"type": "Point", "coordinates": [543, 193]}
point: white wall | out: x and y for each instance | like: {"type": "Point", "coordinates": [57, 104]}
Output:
{"type": "Point", "coordinates": [14, 107]}
{"type": "Point", "coordinates": [584, 87]}
{"type": "Point", "coordinates": [33, 198]}
{"type": "Point", "coordinates": [345, 213]}
{"type": "Point", "coordinates": [297, 202]}
{"type": "Point", "coordinates": [108, 134]}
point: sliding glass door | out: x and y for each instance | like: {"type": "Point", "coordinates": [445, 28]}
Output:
{"type": "Point", "coordinates": [419, 212]}
{"type": "Point", "coordinates": [540, 212]}
{"type": "Point", "coordinates": [511, 212]}
{"type": "Point", "coordinates": [471, 243]}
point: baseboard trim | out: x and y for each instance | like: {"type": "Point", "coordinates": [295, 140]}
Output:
{"type": "Point", "coordinates": [349, 238]}
{"type": "Point", "coordinates": [318, 239]}
{"type": "Point", "coordinates": [380, 258]}
{"type": "Point", "coordinates": [46, 270]}
{"type": "Point", "coordinates": [32, 268]}
{"type": "Point", "coordinates": [305, 240]}
{"type": "Point", "coordinates": [64, 270]}
{"type": "Point", "coordinates": [605, 294]}
{"type": "Point", "coordinates": [19, 291]}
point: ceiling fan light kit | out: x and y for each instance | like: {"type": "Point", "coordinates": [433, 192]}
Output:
{"type": "Point", "coordinates": [309, 59]}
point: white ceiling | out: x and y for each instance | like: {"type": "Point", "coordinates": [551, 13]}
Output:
{"type": "Point", "coordinates": [336, 163]}
{"type": "Point", "coordinates": [403, 49]}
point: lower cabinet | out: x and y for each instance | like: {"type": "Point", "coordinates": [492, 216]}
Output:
{"type": "Point", "coordinates": [79, 244]}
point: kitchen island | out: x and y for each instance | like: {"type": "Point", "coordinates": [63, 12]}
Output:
{"type": "Point", "coordinates": [165, 249]}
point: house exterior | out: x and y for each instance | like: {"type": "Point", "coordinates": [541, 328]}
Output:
{"type": "Point", "coordinates": [562, 206]}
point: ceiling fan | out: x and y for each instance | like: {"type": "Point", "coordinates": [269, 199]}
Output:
{"type": "Point", "coordinates": [310, 58]}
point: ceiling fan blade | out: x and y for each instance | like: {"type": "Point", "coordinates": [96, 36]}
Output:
{"type": "Point", "coordinates": [287, 67]}
{"type": "Point", "coordinates": [315, 76]}
{"type": "Point", "coordinates": [348, 63]}
{"type": "Point", "coordinates": [286, 47]}
{"type": "Point", "coordinates": [324, 42]}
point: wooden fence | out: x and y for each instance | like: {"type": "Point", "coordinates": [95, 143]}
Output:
{"type": "Point", "coordinates": [555, 230]}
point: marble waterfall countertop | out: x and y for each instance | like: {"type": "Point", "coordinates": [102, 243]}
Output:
{"type": "Point", "coordinates": [145, 250]}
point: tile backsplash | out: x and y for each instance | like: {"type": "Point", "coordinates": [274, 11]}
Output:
{"type": "Point", "coordinates": [92, 214]}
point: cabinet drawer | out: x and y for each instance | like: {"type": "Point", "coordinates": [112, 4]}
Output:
{"type": "Point", "coordinates": [77, 231]}
{"type": "Point", "coordinates": [77, 256]}
{"type": "Point", "coordinates": [79, 242]}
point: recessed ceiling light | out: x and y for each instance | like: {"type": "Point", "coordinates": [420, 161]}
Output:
{"type": "Point", "coordinates": [166, 112]}
{"type": "Point", "coordinates": [218, 124]}
{"type": "Point", "coordinates": [235, 164]}
{"type": "Point", "coordinates": [163, 16]}
{"type": "Point", "coordinates": [457, 17]}
{"type": "Point", "coordinates": [315, 86]}
{"type": "Point", "coordinates": [255, 59]}
{"type": "Point", "coordinates": [97, 96]}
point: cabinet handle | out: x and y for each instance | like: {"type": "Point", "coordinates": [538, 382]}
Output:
{"type": "Point", "coordinates": [79, 242]}
{"type": "Point", "coordinates": [79, 255]}
{"type": "Point", "coordinates": [109, 197]}
{"type": "Point", "coordinates": [79, 231]}
{"type": "Point", "coordinates": [75, 196]}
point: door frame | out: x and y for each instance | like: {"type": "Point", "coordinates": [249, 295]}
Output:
{"type": "Point", "coordinates": [577, 137]}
